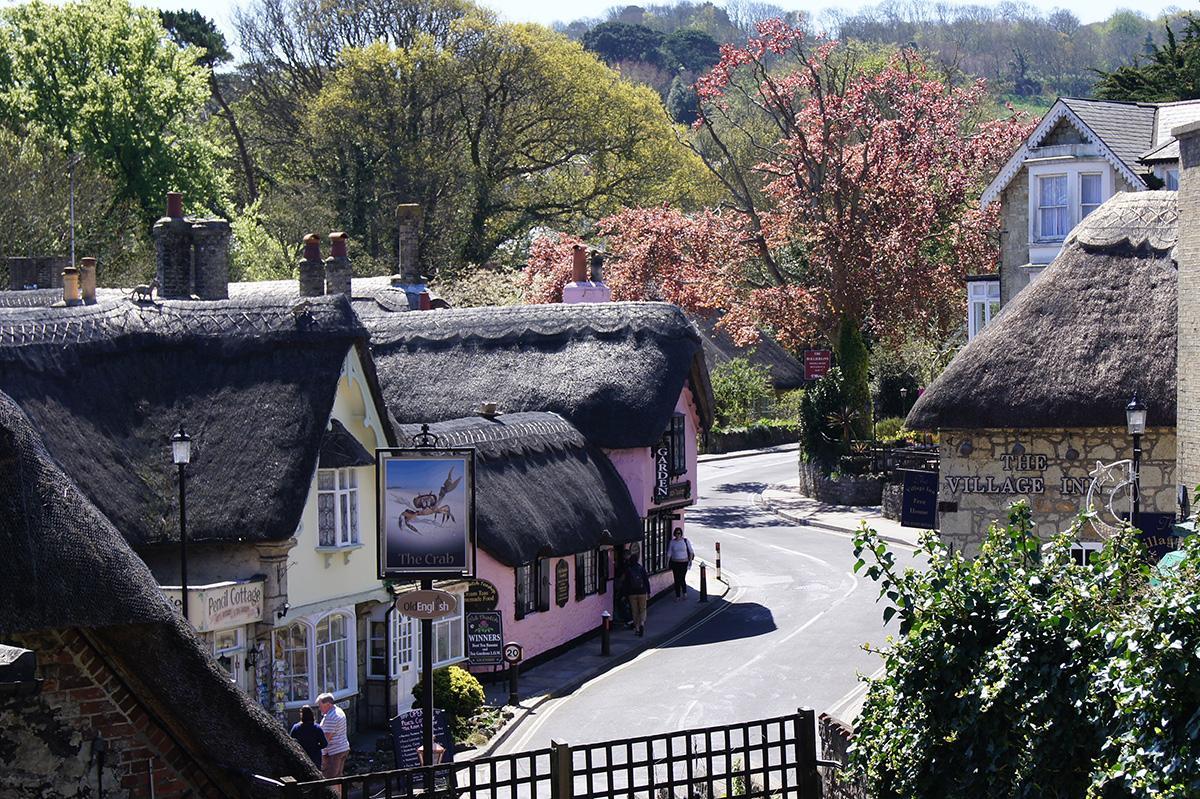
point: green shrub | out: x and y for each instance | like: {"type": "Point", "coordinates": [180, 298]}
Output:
{"type": "Point", "coordinates": [458, 692]}
{"type": "Point", "coordinates": [821, 441]}
{"type": "Point", "coordinates": [890, 427]}
{"type": "Point", "coordinates": [787, 405]}
{"type": "Point", "coordinates": [742, 391]}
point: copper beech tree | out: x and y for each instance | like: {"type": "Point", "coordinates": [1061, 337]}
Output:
{"type": "Point", "coordinates": [850, 197]}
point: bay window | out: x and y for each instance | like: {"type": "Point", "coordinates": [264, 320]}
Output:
{"type": "Point", "coordinates": [330, 650]}
{"type": "Point", "coordinates": [290, 648]}
{"type": "Point", "coordinates": [313, 656]}
{"type": "Point", "coordinates": [1054, 212]}
{"type": "Point", "coordinates": [337, 507]}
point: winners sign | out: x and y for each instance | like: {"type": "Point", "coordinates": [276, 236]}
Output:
{"type": "Point", "coordinates": [426, 518]}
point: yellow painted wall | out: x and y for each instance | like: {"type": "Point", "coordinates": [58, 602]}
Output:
{"type": "Point", "coordinates": [317, 576]}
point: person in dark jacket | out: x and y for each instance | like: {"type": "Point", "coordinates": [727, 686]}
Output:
{"type": "Point", "coordinates": [310, 737]}
{"type": "Point", "coordinates": [637, 588]}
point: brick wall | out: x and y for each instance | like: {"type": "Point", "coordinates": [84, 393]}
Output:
{"type": "Point", "coordinates": [1052, 472]}
{"type": "Point", "coordinates": [1188, 255]}
{"type": "Point", "coordinates": [48, 742]}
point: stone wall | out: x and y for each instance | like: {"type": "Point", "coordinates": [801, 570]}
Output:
{"type": "Point", "coordinates": [1014, 236]}
{"type": "Point", "coordinates": [1188, 256]}
{"type": "Point", "coordinates": [984, 471]}
{"type": "Point", "coordinates": [85, 734]}
{"type": "Point", "coordinates": [850, 491]}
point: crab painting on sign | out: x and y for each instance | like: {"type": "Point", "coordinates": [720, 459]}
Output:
{"type": "Point", "coordinates": [426, 512]}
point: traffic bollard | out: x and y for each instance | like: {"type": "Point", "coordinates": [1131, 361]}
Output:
{"type": "Point", "coordinates": [513, 698]}
{"type": "Point", "coordinates": [718, 575]}
{"type": "Point", "coordinates": [703, 582]}
{"type": "Point", "coordinates": [606, 633]}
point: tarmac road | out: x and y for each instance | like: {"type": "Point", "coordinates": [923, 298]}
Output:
{"type": "Point", "coordinates": [791, 634]}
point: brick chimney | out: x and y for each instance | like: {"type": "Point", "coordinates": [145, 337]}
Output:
{"type": "Point", "coordinates": [312, 268]}
{"type": "Point", "coordinates": [210, 258]}
{"type": "Point", "coordinates": [337, 266]}
{"type": "Point", "coordinates": [1187, 420]}
{"type": "Point", "coordinates": [408, 229]}
{"type": "Point", "coordinates": [584, 287]}
{"type": "Point", "coordinates": [173, 250]}
{"type": "Point", "coordinates": [87, 280]}
{"type": "Point", "coordinates": [38, 272]}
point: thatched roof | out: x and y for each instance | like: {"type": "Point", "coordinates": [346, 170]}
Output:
{"type": "Point", "coordinates": [252, 380]}
{"type": "Point", "coordinates": [68, 567]}
{"type": "Point", "coordinates": [786, 371]}
{"type": "Point", "coordinates": [614, 370]}
{"type": "Point", "coordinates": [1071, 348]}
{"type": "Point", "coordinates": [541, 487]}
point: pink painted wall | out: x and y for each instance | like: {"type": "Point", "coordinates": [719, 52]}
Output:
{"type": "Point", "coordinates": [544, 630]}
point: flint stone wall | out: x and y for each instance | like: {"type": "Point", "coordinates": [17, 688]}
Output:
{"type": "Point", "coordinates": [983, 475]}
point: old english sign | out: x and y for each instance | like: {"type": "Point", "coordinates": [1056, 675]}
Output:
{"type": "Point", "coordinates": [481, 596]}
{"type": "Point", "coordinates": [485, 638]}
{"type": "Point", "coordinates": [220, 606]}
{"type": "Point", "coordinates": [662, 472]}
{"type": "Point", "coordinates": [427, 604]}
{"type": "Point", "coordinates": [817, 363]}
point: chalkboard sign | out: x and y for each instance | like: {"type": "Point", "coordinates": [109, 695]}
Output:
{"type": "Point", "coordinates": [562, 583]}
{"type": "Point", "coordinates": [481, 595]}
{"type": "Point", "coordinates": [918, 506]}
{"type": "Point", "coordinates": [406, 737]}
{"type": "Point", "coordinates": [485, 638]}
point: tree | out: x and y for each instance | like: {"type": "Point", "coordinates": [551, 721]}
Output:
{"type": "Point", "coordinates": [1171, 73]}
{"type": "Point", "coordinates": [619, 41]}
{"type": "Point", "coordinates": [682, 102]}
{"type": "Point", "coordinates": [690, 50]}
{"type": "Point", "coordinates": [191, 28]}
{"type": "Point", "coordinates": [741, 389]}
{"type": "Point", "coordinates": [100, 78]}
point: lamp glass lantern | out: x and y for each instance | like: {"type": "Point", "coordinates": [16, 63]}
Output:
{"type": "Point", "coordinates": [1135, 416]}
{"type": "Point", "coordinates": [181, 447]}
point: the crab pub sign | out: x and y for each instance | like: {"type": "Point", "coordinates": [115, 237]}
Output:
{"type": "Point", "coordinates": [426, 519]}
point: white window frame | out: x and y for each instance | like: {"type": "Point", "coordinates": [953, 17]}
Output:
{"type": "Point", "coordinates": [1083, 550]}
{"type": "Point", "coordinates": [389, 656]}
{"type": "Point", "coordinates": [309, 625]}
{"type": "Point", "coordinates": [344, 665]}
{"type": "Point", "coordinates": [1042, 249]}
{"type": "Point", "coordinates": [449, 639]}
{"type": "Point", "coordinates": [1064, 207]}
{"type": "Point", "coordinates": [345, 512]}
{"type": "Point", "coordinates": [1087, 208]}
{"type": "Point", "coordinates": [983, 303]}
{"type": "Point", "coordinates": [291, 700]}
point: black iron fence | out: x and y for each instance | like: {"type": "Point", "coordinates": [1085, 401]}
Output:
{"type": "Point", "coordinates": [776, 757]}
{"type": "Point", "coordinates": [870, 458]}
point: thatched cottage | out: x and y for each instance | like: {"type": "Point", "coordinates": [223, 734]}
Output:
{"type": "Point", "coordinates": [1029, 406]}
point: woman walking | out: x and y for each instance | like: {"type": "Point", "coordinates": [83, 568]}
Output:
{"type": "Point", "coordinates": [681, 555]}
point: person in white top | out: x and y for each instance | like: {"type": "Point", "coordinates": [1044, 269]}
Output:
{"type": "Point", "coordinates": [681, 555]}
{"type": "Point", "coordinates": [333, 724]}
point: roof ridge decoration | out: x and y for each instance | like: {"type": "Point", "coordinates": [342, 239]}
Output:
{"type": "Point", "coordinates": [1139, 219]}
{"type": "Point", "coordinates": [1056, 114]}
{"type": "Point", "coordinates": [506, 435]}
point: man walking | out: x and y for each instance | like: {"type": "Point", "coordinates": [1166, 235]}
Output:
{"type": "Point", "coordinates": [333, 724]}
{"type": "Point", "coordinates": [637, 588]}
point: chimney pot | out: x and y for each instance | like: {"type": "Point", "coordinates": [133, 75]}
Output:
{"type": "Point", "coordinates": [70, 282]}
{"type": "Point", "coordinates": [408, 226]}
{"type": "Point", "coordinates": [424, 301]}
{"type": "Point", "coordinates": [87, 280]}
{"type": "Point", "coordinates": [312, 247]}
{"type": "Point", "coordinates": [175, 204]}
{"type": "Point", "coordinates": [578, 264]}
{"type": "Point", "coordinates": [337, 244]}
{"type": "Point", "coordinates": [312, 268]}
{"type": "Point", "coordinates": [597, 267]}
{"type": "Point", "coordinates": [488, 409]}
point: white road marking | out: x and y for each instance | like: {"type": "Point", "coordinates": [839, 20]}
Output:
{"type": "Point", "coordinates": [853, 696]}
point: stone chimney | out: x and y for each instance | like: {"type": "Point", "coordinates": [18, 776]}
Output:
{"type": "Point", "coordinates": [173, 250]}
{"type": "Point", "coordinates": [337, 266]}
{"type": "Point", "coordinates": [584, 287]}
{"type": "Point", "coordinates": [70, 285]}
{"type": "Point", "coordinates": [210, 258]}
{"type": "Point", "coordinates": [87, 280]}
{"type": "Point", "coordinates": [408, 229]}
{"type": "Point", "coordinates": [1187, 420]}
{"type": "Point", "coordinates": [312, 268]}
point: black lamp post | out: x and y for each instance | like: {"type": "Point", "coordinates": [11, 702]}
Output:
{"type": "Point", "coordinates": [181, 453]}
{"type": "Point", "coordinates": [1135, 419]}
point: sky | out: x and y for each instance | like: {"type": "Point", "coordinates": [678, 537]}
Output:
{"type": "Point", "coordinates": [549, 11]}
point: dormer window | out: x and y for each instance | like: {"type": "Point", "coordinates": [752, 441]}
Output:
{"type": "Point", "coordinates": [337, 507]}
{"type": "Point", "coordinates": [1054, 213]}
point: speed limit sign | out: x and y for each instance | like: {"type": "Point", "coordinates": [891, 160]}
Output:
{"type": "Point", "coordinates": [512, 652]}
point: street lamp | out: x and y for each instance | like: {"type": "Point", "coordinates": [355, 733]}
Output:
{"type": "Point", "coordinates": [181, 453]}
{"type": "Point", "coordinates": [1135, 420]}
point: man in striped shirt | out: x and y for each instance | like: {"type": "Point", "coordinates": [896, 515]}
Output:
{"type": "Point", "coordinates": [333, 724]}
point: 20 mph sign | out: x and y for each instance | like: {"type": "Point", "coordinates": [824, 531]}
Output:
{"type": "Point", "coordinates": [512, 652]}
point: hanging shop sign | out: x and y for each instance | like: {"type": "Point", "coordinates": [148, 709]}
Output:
{"type": "Point", "coordinates": [918, 505]}
{"type": "Point", "coordinates": [480, 596]}
{"type": "Point", "coordinates": [220, 606]}
{"type": "Point", "coordinates": [562, 583]}
{"type": "Point", "coordinates": [662, 472]}
{"type": "Point", "coordinates": [817, 363]}
{"type": "Point", "coordinates": [426, 519]}
{"type": "Point", "coordinates": [427, 604]}
{"type": "Point", "coordinates": [485, 638]}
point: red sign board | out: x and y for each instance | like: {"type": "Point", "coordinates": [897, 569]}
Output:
{"type": "Point", "coordinates": [817, 363]}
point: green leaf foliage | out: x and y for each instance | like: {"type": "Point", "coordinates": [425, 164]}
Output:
{"type": "Point", "coordinates": [1172, 71]}
{"type": "Point", "coordinates": [821, 443]}
{"type": "Point", "coordinates": [458, 692]}
{"type": "Point", "coordinates": [1020, 673]}
{"type": "Point", "coordinates": [741, 391]}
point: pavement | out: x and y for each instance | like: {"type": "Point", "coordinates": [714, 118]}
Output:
{"type": "Point", "coordinates": [665, 618]}
{"type": "Point", "coordinates": [786, 500]}
{"type": "Point", "coordinates": [747, 453]}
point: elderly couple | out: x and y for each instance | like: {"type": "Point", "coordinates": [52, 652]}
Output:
{"type": "Point", "coordinates": [326, 743]}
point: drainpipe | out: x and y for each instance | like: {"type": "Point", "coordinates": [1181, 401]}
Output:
{"type": "Point", "coordinates": [387, 679]}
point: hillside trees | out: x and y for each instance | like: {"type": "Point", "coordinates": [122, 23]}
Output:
{"type": "Point", "coordinates": [98, 78]}
{"type": "Point", "coordinates": [1171, 72]}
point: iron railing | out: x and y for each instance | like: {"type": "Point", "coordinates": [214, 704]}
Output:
{"type": "Point", "coordinates": [776, 757]}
